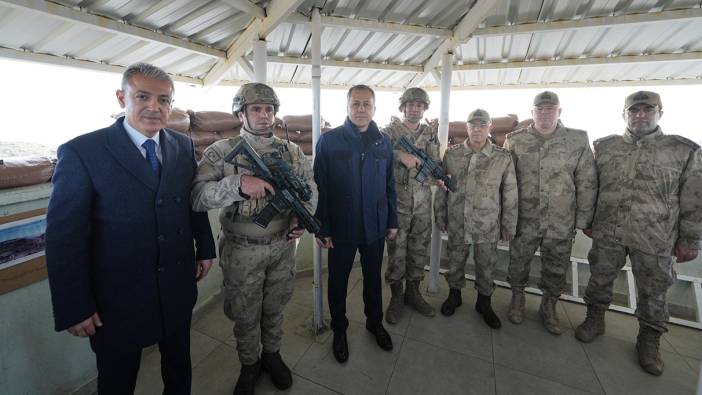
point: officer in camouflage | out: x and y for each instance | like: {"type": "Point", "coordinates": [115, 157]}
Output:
{"type": "Point", "coordinates": [409, 252]}
{"type": "Point", "coordinates": [481, 211]}
{"type": "Point", "coordinates": [557, 184]}
{"type": "Point", "coordinates": [258, 264]}
{"type": "Point", "coordinates": [649, 207]}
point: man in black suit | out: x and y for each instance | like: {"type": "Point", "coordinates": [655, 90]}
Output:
{"type": "Point", "coordinates": [120, 253]}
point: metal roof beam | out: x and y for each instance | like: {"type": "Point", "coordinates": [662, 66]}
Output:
{"type": "Point", "coordinates": [629, 59]}
{"type": "Point", "coordinates": [110, 25]}
{"type": "Point", "coordinates": [81, 64]}
{"type": "Point", "coordinates": [373, 26]}
{"type": "Point", "coordinates": [277, 11]}
{"type": "Point", "coordinates": [589, 84]}
{"type": "Point", "coordinates": [247, 7]}
{"type": "Point", "coordinates": [464, 29]}
{"type": "Point", "coordinates": [346, 64]}
{"type": "Point", "coordinates": [588, 23]}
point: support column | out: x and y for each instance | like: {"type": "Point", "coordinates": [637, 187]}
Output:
{"type": "Point", "coordinates": [318, 324]}
{"type": "Point", "coordinates": [435, 257]}
{"type": "Point", "coordinates": [260, 59]}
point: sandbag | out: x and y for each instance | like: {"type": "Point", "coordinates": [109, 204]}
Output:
{"type": "Point", "coordinates": [302, 123]}
{"type": "Point", "coordinates": [294, 135]}
{"type": "Point", "coordinates": [209, 121]}
{"type": "Point", "coordinates": [306, 147]}
{"type": "Point", "coordinates": [26, 170]}
{"type": "Point", "coordinates": [524, 124]}
{"type": "Point", "coordinates": [458, 129]}
{"type": "Point", "coordinates": [204, 139]}
{"type": "Point", "coordinates": [179, 121]}
{"type": "Point", "coordinates": [228, 134]}
{"type": "Point", "coordinates": [504, 124]}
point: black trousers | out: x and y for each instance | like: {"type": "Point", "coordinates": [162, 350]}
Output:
{"type": "Point", "coordinates": [339, 267]}
{"type": "Point", "coordinates": [118, 368]}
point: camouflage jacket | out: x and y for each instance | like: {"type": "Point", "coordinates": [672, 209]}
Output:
{"type": "Point", "coordinates": [412, 197]}
{"type": "Point", "coordinates": [216, 184]}
{"type": "Point", "coordinates": [485, 203]}
{"type": "Point", "coordinates": [650, 192]}
{"type": "Point", "coordinates": [557, 181]}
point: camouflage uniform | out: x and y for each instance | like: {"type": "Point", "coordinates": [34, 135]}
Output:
{"type": "Point", "coordinates": [557, 191]}
{"type": "Point", "coordinates": [483, 207]}
{"type": "Point", "coordinates": [408, 253]}
{"type": "Point", "coordinates": [258, 264]}
{"type": "Point", "coordinates": [650, 197]}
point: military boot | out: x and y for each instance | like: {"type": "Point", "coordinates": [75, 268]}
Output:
{"type": "Point", "coordinates": [484, 307]}
{"type": "Point", "coordinates": [247, 379]}
{"type": "Point", "coordinates": [280, 373]}
{"type": "Point", "coordinates": [414, 299]}
{"type": "Point", "coordinates": [516, 306]}
{"type": "Point", "coordinates": [396, 306]}
{"type": "Point", "coordinates": [452, 302]}
{"type": "Point", "coordinates": [593, 326]}
{"type": "Point", "coordinates": [548, 314]}
{"type": "Point", "coordinates": [647, 344]}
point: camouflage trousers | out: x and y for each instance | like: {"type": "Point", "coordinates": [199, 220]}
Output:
{"type": "Point", "coordinates": [485, 257]}
{"type": "Point", "coordinates": [409, 252]}
{"type": "Point", "coordinates": [258, 283]}
{"type": "Point", "coordinates": [555, 261]}
{"type": "Point", "coordinates": [653, 274]}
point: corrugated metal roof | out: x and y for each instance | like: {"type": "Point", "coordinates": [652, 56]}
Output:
{"type": "Point", "coordinates": [518, 43]}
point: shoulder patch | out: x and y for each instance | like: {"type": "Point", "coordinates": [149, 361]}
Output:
{"type": "Point", "coordinates": [454, 147]}
{"type": "Point", "coordinates": [686, 141]}
{"type": "Point", "coordinates": [212, 155]}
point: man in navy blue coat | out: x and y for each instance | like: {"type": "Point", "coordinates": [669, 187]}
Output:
{"type": "Point", "coordinates": [120, 252]}
{"type": "Point", "coordinates": [358, 210]}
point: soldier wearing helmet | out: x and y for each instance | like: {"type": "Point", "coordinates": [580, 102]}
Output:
{"type": "Point", "coordinates": [409, 252]}
{"type": "Point", "coordinates": [258, 264]}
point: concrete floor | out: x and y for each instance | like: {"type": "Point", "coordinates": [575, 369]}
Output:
{"type": "Point", "coordinates": [440, 355]}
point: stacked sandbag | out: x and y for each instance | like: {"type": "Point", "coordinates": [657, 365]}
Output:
{"type": "Point", "coordinates": [500, 127]}
{"type": "Point", "coordinates": [24, 171]}
{"type": "Point", "coordinates": [299, 131]}
{"type": "Point", "coordinates": [179, 120]}
{"type": "Point", "coordinates": [207, 127]}
{"type": "Point", "coordinates": [524, 124]}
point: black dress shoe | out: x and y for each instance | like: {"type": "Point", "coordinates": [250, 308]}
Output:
{"type": "Point", "coordinates": [340, 347]}
{"type": "Point", "coordinates": [382, 337]}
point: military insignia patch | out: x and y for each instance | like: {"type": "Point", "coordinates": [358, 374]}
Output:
{"type": "Point", "coordinates": [212, 155]}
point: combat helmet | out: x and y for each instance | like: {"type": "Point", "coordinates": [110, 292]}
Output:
{"type": "Point", "coordinates": [254, 92]}
{"type": "Point", "coordinates": [415, 94]}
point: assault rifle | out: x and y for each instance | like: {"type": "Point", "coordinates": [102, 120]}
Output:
{"type": "Point", "coordinates": [429, 166]}
{"type": "Point", "coordinates": [290, 189]}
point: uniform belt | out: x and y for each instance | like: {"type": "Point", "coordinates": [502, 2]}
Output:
{"type": "Point", "coordinates": [280, 236]}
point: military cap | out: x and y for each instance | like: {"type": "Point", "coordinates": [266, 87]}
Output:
{"type": "Point", "coordinates": [479, 115]}
{"type": "Point", "coordinates": [546, 97]}
{"type": "Point", "coordinates": [643, 97]}
{"type": "Point", "coordinates": [415, 94]}
{"type": "Point", "coordinates": [254, 93]}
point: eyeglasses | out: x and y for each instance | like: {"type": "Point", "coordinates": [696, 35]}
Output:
{"type": "Point", "coordinates": [646, 109]}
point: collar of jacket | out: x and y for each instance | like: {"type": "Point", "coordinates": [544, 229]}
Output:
{"type": "Point", "coordinates": [559, 129]}
{"type": "Point", "coordinates": [351, 130]}
{"type": "Point", "coordinates": [486, 150]}
{"type": "Point", "coordinates": [631, 139]}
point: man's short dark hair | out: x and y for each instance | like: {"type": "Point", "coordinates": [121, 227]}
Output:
{"type": "Point", "coordinates": [360, 87]}
{"type": "Point", "coordinates": [147, 70]}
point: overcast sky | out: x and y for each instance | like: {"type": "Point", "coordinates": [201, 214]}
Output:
{"type": "Point", "coordinates": [51, 104]}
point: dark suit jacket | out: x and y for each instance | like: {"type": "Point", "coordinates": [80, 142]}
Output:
{"type": "Point", "coordinates": [357, 200]}
{"type": "Point", "coordinates": [119, 242]}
